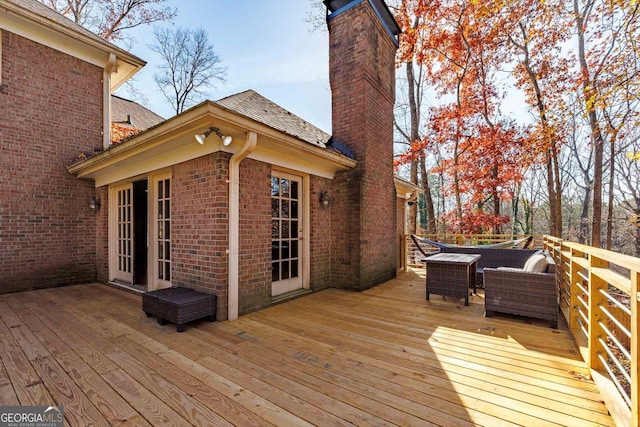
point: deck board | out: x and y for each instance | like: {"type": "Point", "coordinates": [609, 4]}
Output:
{"type": "Point", "coordinates": [385, 356]}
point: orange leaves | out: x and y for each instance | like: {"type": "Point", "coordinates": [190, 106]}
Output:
{"type": "Point", "coordinates": [120, 132]}
{"type": "Point", "coordinates": [474, 221]}
{"type": "Point", "coordinates": [461, 45]}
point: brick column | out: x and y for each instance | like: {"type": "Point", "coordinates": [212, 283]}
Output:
{"type": "Point", "coordinates": [362, 75]}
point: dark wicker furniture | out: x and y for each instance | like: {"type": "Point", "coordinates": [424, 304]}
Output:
{"type": "Point", "coordinates": [451, 275]}
{"type": "Point", "coordinates": [522, 293]}
{"type": "Point", "coordinates": [493, 257]}
{"type": "Point", "coordinates": [179, 306]}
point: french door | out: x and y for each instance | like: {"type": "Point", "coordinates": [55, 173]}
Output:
{"type": "Point", "coordinates": [140, 233]}
{"type": "Point", "coordinates": [286, 232]}
{"type": "Point", "coordinates": [123, 221]}
{"type": "Point", "coordinates": [161, 231]}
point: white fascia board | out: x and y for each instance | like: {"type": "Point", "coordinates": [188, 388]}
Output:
{"type": "Point", "coordinates": [405, 189]}
{"type": "Point", "coordinates": [172, 142]}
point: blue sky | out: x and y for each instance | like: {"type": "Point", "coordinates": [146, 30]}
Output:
{"type": "Point", "coordinates": [265, 45]}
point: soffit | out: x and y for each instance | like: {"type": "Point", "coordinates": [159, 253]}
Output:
{"type": "Point", "coordinates": [172, 142]}
{"type": "Point", "coordinates": [404, 188]}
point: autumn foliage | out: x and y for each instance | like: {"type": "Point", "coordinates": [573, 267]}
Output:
{"type": "Point", "coordinates": [484, 155]}
{"type": "Point", "coordinates": [120, 132]}
{"type": "Point", "coordinates": [574, 66]}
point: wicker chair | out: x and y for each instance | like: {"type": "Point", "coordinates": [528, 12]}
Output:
{"type": "Point", "coordinates": [523, 293]}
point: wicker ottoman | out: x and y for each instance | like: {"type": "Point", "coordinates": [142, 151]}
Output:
{"type": "Point", "coordinates": [179, 306]}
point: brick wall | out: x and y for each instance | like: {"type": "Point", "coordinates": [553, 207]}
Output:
{"type": "Point", "coordinates": [50, 112]}
{"type": "Point", "coordinates": [320, 234]}
{"type": "Point", "coordinates": [102, 235]}
{"type": "Point", "coordinates": [254, 287]}
{"type": "Point", "coordinates": [362, 75]}
{"type": "Point", "coordinates": [199, 226]}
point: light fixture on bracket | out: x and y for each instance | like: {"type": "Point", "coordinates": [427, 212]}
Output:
{"type": "Point", "coordinates": [324, 198]}
{"type": "Point", "coordinates": [226, 140]}
{"type": "Point", "coordinates": [94, 204]}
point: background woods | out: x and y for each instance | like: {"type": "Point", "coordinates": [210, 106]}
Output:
{"type": "Point", "coordinates": [521, 117]}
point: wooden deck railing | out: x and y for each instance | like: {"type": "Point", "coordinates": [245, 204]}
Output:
{"type": "Point", "coordinates": [409, 256]}
{"type": "Point", "coordinates": [599, 297]}
{"type": "Point", "coordinates": [600, 301]}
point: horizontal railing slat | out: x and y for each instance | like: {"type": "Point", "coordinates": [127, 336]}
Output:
{"type": "Point", "coordinates": [613, 278]}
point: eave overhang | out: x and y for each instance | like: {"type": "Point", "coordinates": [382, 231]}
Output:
{"type": "Point", "coordinates": [172, 142]}
{"type": "Point", "coordinates": [87, 47]}
{"type": "Point", "coordinates": [405, 189]}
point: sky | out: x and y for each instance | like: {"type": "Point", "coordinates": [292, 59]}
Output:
{"type": "Point", "coordinates": [265, 46]}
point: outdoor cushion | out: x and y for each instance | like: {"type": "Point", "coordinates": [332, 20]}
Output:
{"type": "Point", "coordinates": [537, 263]}
{"type": "Point", "coordinates": [516, 269]}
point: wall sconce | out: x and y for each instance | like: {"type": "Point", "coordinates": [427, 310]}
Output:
{"type": "Point", "coordinates": [94, 204]}
{"type": "Point", "coordinates": [226, 140]}
{"type": "Point", "coordinates": [324, 198]}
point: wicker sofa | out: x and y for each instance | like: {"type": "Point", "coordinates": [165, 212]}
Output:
{"type": "Point", "coordinates": [523, 293]}
{"type": "Point", "coordinates": [493, 257]}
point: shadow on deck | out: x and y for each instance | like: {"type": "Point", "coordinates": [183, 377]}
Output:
{"type": "Point", "coordinates": [382, 357]}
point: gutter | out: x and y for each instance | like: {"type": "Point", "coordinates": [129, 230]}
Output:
{"type": "Point", "coordinates": [234, 221]}
{"type": "Point", "coordinates": [106, 101]}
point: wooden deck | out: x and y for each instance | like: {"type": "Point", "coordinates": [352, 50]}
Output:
{"type": "Point", "coordinates": [382, 357]}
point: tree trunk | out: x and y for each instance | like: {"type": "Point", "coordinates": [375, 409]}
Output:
{"type": "Point", "coordinates": [413, 209]}
{"type": "Point", "coordinates": [528, 216]}
{"type": "Point", "coordinates": [612, 170]}
{"type": "Point", "coordinates": [584, 217]}
{"type": "Point", "coordinates": [456, 187]}
{"type": "Point", "coordinates": [515, 211]}
{"type": "Point", "coordinates": [554, 189]}
{"type": "Point", "coordinates": [414, 135]}
{"type": "Point", "coordinates": [497, 229]}
{"type": "Point", "coordinates": [590, 94]}
{"type": "Point", "coordinates": [558, 190]}
{"type": "Point", "coordinates": [553, 223]}
{"type": "Point", "coordinates": [431, 215]}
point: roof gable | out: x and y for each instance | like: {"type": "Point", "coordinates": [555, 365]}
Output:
{"type": "Point", "coordinates": [256, 107]}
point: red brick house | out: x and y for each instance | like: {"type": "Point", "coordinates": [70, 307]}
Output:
{"type": "Point", "coordinates": [277, 210]}
{"type": "Point", "coordinates": [55, 82]}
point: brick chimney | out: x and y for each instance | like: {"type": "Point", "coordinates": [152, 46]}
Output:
{"type": "Point", "coordinates": [362, 46]}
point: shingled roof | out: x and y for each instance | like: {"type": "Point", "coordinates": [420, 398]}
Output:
{"type": "Point", "coordinates": [128, 112]}
{"type": "Point", "coordinates": [56, 18]}
{"type": "Point", "coordinates": [255, 106]}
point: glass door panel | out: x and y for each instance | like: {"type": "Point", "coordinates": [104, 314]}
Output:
{"type": "Point", "coordinates": [163, 232]}
{"type": "Point", "coordinates": [124, 234]}
{"type": "Point", "coordinates": [286, 223]}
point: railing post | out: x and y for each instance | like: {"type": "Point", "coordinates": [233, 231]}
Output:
{"type": "Point", "coordinates": [595, 299]}
{"type": "Point", "coordinates": [635, 348]}
{"type": "Point", "coordinates": [574, 277]}
{"type": "Point", "coordinates": [404, 251]}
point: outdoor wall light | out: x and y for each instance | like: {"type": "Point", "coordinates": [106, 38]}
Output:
{"type": "Point", "coordinates": [324, 198]}
{"type": "Point", "coordinates": [226, 140]}
{"type": "Point", "coordinates": [94, 204]}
